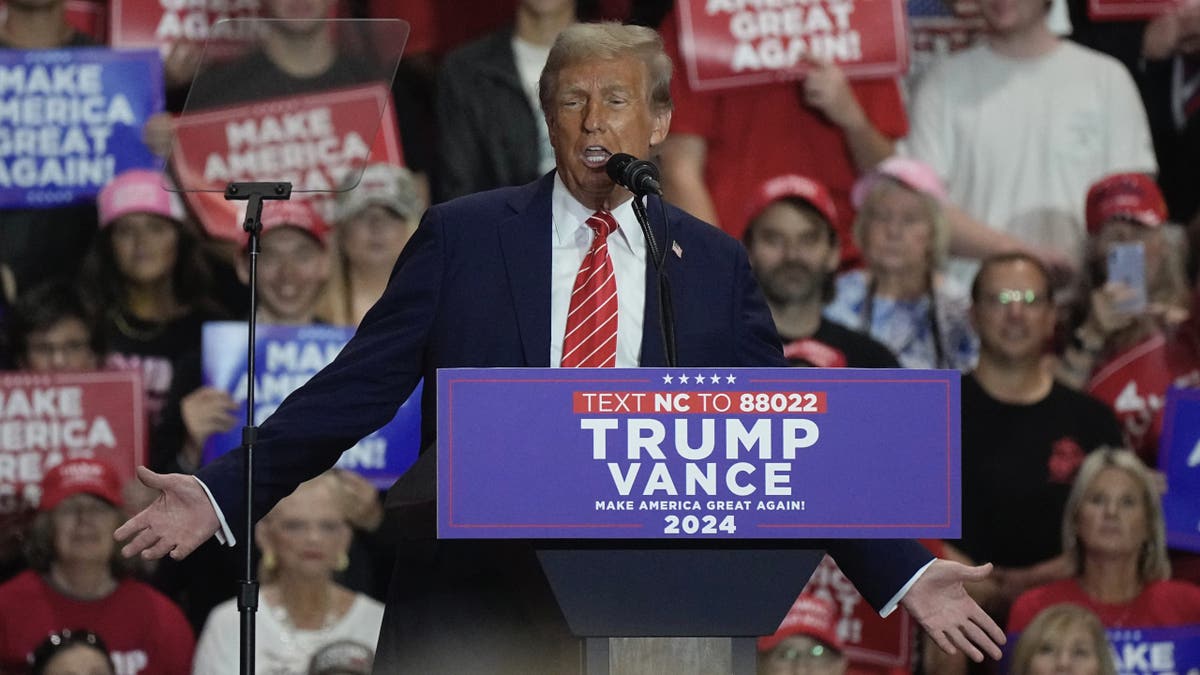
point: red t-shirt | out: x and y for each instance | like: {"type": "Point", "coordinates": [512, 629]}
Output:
{"type": "Point", "coordinates": [756, 133]}
{"type": "Point", "coordinates": [1134, 383]}
{"type": "Point", "coordinates": [1161, 604]}
{"type": "Point", "coordinates": [146, 632]}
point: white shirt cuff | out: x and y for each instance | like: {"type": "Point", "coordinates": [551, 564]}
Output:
{"type": "Point", "coordinates": [888, 608]}
{"type": "Point", "coordinates": [225, 535]}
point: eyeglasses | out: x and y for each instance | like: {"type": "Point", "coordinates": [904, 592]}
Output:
{"type": "Point", "coordinates": [40, 657]}
{"type": "Point", "coordinates": [1015, 296]}
{"type": "Point", "coordinates": [816, 653]}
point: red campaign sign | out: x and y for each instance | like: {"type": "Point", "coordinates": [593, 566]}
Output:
{"type": "Point", "coordinates": [47, 418]}
{"type": "Point", "coordinates": [730, 43]}
{"type": "Point", "coordinates": [158, 23]}
{"type": "Point", "coordinates": [310, 140]}
{"type": "Point", "coordinates": [871, 641]}
{"type": "Point", "coordinates": [1128, 10]}
{"type": "Point", "coordinates": [86, 16]}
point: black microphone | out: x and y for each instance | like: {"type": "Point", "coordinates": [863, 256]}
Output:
{"type": "Point", "coordinates": [639, 176]}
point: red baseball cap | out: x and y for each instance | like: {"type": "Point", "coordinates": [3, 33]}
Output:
{"type": "Point", "coordinates": [793, 186]}
{"type": "Point", "coordinates": [810, 615]}
{"type": "Point", "coordinates": [80, 476]}
{"type": "Point", "coordinates": [1131, 196]}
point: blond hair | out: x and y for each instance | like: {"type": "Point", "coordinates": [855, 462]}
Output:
{"type": "Point", "coordinates": [267, 571]}
{"type": "Point", "coordinates": [1055, 620]}
{"type": "Point", "coordinates": [1153, 564]}
{"type": "Point", "coordinates": [607, 41]}
{"type": "Point", "coordinates": [939, 247]}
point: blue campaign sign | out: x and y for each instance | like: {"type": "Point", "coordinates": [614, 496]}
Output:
{"type": "Point", "coordinates": [1156, 651]}
{"type": "Point", "coordinates": [1179, 459]}
{"type": "Point", "coordinates": [285, 358]}
{"type": "Point", "coordinates": [1173, 650]}
{"type": "Point", "coordinates": [657, 453]}
{"type": "Point", "coordinates": [71, 119]}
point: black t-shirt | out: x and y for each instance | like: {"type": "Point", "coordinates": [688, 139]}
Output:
{"type": "Point", "coordinates": [1018, 463]}
{"type": "Point", "coordinates": [835, 346]}
{"type": "Point", "coordinates": [155, 349]}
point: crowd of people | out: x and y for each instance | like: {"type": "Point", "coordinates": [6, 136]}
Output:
{"type": "Point", "coordinates": [971, 225]}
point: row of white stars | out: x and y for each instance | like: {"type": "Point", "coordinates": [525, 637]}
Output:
{"type": "Point", "coordinates": [698, 379]}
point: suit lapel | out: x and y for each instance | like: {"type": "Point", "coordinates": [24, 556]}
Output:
{"type": "Point", "coordinates": [525, 247]}
{"type": "Point", "coordinates": [653, 353]}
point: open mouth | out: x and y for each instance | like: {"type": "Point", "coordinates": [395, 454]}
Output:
{"type": "Point", "coordinates": [595, 156]}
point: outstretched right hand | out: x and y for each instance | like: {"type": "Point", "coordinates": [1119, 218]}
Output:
{"type": "Point", "coordinates": [178, 520]}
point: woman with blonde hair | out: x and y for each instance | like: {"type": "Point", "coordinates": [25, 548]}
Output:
{"type": "Point", "coordinates": [304, 540]}
{"type": "Point", "coordinates": [374, 220]}
{"type": "Point", "coordinates": [900, 298]}
{"type": "Point", "coordinates": [1115, 539]}
{"type": "Point", "coordinates": [1064, 638]}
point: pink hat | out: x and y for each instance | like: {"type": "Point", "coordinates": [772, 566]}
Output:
{"type": "Point", "coordinates": [909, 172]}
{"type": "Point", "coordinates": [138, 191]}
{"type": "Point", "coordinates": [810, 615]}
{"type": "Point", "coordinates": [80, 476]}
{"type": "Point", "coordinates": [793, 186]}
{"type": "Point", "coordinates": [298, 214]}
{"type": "Point", "coordinates": [1132, 196]}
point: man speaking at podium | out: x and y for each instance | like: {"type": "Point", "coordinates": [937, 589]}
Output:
{"type": "Point", "coordinates": [553, 273]}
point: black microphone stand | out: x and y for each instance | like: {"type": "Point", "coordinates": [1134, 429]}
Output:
{"type": "Point", "coordinates": [254, 194]}
{"type": "Point", "coordinates": [666, 312]}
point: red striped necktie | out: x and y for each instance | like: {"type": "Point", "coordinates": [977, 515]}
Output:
{"type": "Point", "coordinates": [591, 337]}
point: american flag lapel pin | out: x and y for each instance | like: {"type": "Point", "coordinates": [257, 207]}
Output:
{"type": "Point", "coordinates": [677, 249]}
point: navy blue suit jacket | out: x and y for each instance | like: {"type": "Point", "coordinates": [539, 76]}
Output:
{"type": "Point", "coordinates": [472, 290]}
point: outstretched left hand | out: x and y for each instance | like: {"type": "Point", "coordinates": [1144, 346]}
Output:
{"type": "Point", "coordinates": [941, 605]}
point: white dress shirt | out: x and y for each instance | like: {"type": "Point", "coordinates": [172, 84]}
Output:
{"type": "Point", "coordinates": [626, 247]}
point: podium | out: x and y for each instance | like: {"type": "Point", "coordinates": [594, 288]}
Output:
{"type": "Point", "coordinates": [683, 592]}
{"type": "Point", "coordinates": [669, 508]}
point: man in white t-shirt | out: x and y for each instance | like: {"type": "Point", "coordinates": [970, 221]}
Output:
{"type": "Point", "coordinates": [1018, 127]}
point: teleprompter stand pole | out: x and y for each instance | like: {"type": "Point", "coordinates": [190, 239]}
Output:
{"type": "Point", "coordinates": [254, 194]}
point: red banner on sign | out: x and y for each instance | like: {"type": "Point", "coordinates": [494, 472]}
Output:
{"type": "Point", "coordinates": [48, 418]}
{"type": "Point", "coordinates": [871, 641]}
{"type": "Point", "coordinates": [311, 141]}
{"type": "Point", "coordinates": [158, 23]}
{"type": "Point", "coordinates": [1128, 10]}
{"type": "Point", "coordinates": [728, 43]}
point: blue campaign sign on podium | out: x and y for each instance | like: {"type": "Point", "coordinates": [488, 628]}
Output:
{"type": "Point", "coordinates": [672, 453]}
{"type": "Point", "coordinates": [286, 357]}
{"type": "Point", "coordinates": [1179, 459]}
